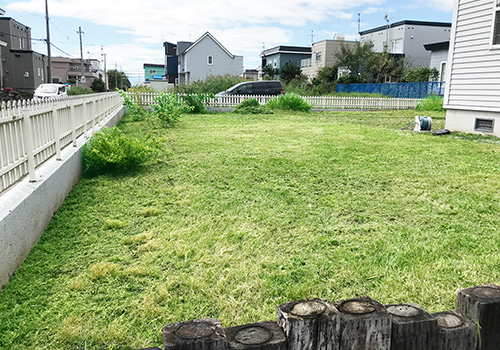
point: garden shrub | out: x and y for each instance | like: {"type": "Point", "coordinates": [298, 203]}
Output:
{"type": "Point", "coordinates": [136, 112]}
{"type": "Point", "coordinates": [291, 102]}
{"type": "Point", "coordinates": [211, 85]}
{"type": "Point", "coordinates": [197, 102]}
{"type": "Point", "coordinates": [169, 108]}
{"type": "Point", "coordinates": [78, 90]}
{"type": "Point", "coordinates": [111, 151]}
{"type": "Point", "coordinates": [252, 106]}
{"type": "Point", "coordinates": [431, 103]}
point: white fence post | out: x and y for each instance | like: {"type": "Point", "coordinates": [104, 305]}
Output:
{"type": "Point", "coordinates": [28, 144]}
{"type": "Point", "coordinates": [73, 123]}
{"type": "Point", "coordinates": [57, 136]}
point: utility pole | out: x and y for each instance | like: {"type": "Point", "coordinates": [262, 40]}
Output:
{"type": "Point", "coordinates": [116, 76]}
{"type": "Point", "coordinates": [82, 79]}
{"type": "Point", "coordinates": [105, 73]}
{"type": "Point", "coordinates": [49, 67]}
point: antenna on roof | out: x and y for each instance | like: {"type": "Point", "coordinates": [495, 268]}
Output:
{"type": "Point", "coordinates": [312, 37]}
{"type": "Point", "coordinates": [359, 22]}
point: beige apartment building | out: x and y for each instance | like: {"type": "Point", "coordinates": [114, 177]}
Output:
{"type": "Point", "coordinates": [323, 55]}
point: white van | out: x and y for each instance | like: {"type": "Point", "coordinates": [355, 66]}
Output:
{"type": "Point", "coordinates": [45, 91]}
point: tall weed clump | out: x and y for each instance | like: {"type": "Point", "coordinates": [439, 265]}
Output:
{"type": "Point", "coordinates": [169, 108]}
{"type": "Point", "coordinates": [132, 107]}
{"type": "Point", "coordinates": [111, 151]}
{"type": "Point", "coordinates": [197, 102]}
{"type": "Point", "coordinates": [290, 102]}
{"type": "Point", "coordinates": [431, 103]}
{"type": "Point", "coordinates": [252, 106]}
{"type": "Point", "coordinates": [211, 85]}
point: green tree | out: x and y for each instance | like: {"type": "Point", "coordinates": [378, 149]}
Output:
{"type": "Point", "coordinates": [368, 66]}
{"type": "Point", "coordinates": [118, 79]}
{"type": "Point", "coordinates": [98, 85]}
{"type": "Point", "coordinates": [270, 72]}
{"type": "Point", "coordinates": [290, 71]}
{"type": "Point", "coordinates": [423, 74]}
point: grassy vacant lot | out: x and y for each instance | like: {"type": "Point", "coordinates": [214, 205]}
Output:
{"type": "Point", "coordinates": [244, 212]}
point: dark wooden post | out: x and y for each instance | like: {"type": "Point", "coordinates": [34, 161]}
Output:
{"type": "Point", "coordinates": [310, 324]}
{"type": "Point", "coordinates": [455, 332]}
{"type": "Point", "coordinates": [204, 334]}
{"type": "Point", "coordinates": [413, 328]}
{"type": "Point", "coordinates": [482, 304]}
{"type": "Point", "coordinates": [256, 336]}
{"type": "Point", "coordinates": [364, 325]}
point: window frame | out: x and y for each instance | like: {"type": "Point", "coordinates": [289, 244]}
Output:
{"type": "Point", "coordinates": [495, 29]}
{"type": "Point", "coordinates": [319, 55]}
{"type": "Point", "coordinates": [210, 60]}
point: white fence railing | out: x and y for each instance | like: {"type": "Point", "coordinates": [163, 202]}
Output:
{"type": "Point", "coordinates": [31, 131]}
{"type": "Point", "coordinates": [318, 102]}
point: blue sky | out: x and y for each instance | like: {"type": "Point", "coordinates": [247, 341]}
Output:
{"type": "Point", "coordinates": [132, 32]}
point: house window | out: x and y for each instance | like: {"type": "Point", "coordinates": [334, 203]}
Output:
{"type": "Point", "coordinates": [318, 56]}
{"type": "Point", "coordinates": [496, 24]}
{"type": "Point", "coordinates": [442, 71]}
{"type": "Point", "coordinates": [210, 60]}
{"type": "Point", "coordinates": [397, 46]}
{"type": "Point", "coordinates": [152, 71]}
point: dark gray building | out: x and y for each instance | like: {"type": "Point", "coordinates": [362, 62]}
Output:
{"type": "Point", "coordinates": [22, 69]}
{"type": "Point", "coordinates": [277, 56]}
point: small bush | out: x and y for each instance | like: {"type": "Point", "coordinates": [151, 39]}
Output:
{"type": "Point", "coordinates": [110, 151]}
{"type": "Point", "coordinates": [290, 102]}
{"type": "Point", "coordinates": [211, 85]}
{"type": "Point", "coordinates": [252, 106]}
{"type": "Point", "coordinates": [197, 102]}
{"type": "Point", "coordinates": [78, 90]}
{"type": "Point", "coordinates": [431, 103]}
{"type": "Point", "coordinates": [169, 108]}
{"type": "Point", "coordinates": [131, 106]}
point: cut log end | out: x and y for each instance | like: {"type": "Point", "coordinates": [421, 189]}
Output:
{"type": "Point", "coordinates": [308, 308]}
{"type": "Point", "coordinates": [448, 320]}
{"type": "Point", "coordinates": [404, 310]}
{"type": "Point", "coordinates": [357, 307]}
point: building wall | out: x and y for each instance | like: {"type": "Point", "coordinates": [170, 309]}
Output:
{"type": "Point", "coordinates": [327, 50]}
{"type": "Point", "coordinates": [195, 61]}
{"type": "Point", "coordinates": [438, 61]}
{"type": "Point", "coordinates": [408, 39]}
{"type": "Point", "coordinates": [65, 68]}
{"type": "Point", "coordinates": [159, 70]}
{"type": "Point", "coordinates": [473, 88]}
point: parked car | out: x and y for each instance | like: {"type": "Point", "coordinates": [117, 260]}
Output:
{"type": "Point", "coordinates": [265, 87]}
{"type": "Point", "coordinates": [45, 91]}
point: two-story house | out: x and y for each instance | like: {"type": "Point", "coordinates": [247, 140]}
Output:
{"type": "Point", "coordinates": [204, 58]}
{"type": "Point", "coordinates": [323, 55]}
{"type": "Point", "coordinates": [66, 68]}
{"type": "Point", "coordinates": [22, 69]}
{"type": "Point", "coordinates": [407, 38]}
{"type": "Point", "coordinates": [277, 56]}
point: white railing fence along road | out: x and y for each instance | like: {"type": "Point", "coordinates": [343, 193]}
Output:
{"type": "Point", "coordinates": [32, 131]}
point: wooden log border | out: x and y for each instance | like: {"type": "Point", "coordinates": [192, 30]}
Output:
{"type": "Point", "coordinates": [353, 324]}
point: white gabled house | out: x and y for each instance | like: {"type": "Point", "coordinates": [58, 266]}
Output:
{"type": "Point", "coordinates": [472, 97]}
{"type": "Point", "coordinates": [206, 57]}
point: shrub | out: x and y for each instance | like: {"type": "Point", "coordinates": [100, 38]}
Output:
{"type": "Point", "coordinates": [131, 106]}
{"type": "Point", "coordinates": [291, 102]}
{"type": "Point", "coordinates": [252, 106]}
{"type": "Point", "coordinates": [169, 108]}
{"type": "Point", "coordinates": [78, 90]}
{"type": "Point", "coordinates": [211, 85]}
{"type": "Point", "coordinates": [197, 102]}
{"type": "Point", "coordinates": [431, 103]}
{"type": "Point", "coordinates": [110, 151]}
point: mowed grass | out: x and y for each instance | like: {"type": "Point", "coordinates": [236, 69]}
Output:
{"type": "Point", "coordinates": [242, 213]}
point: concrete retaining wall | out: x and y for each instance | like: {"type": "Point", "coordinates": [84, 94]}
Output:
{"type": "Point", "coordinates": [27, 208]}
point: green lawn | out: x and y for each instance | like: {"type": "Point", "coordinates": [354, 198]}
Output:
{"type": "Point", "coordinates": [242, 213]}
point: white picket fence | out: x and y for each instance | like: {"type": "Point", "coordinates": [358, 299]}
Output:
{"type": "Point", "coordinates": [32, 131]}
{"type": "Point", "coordinates": [318, 102]}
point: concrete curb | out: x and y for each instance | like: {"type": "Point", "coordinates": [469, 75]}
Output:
{"type": "Point", "coordinates": [28, 207]}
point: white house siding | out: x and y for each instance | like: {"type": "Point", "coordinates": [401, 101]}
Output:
{"type": "Point", "coordinates": [196, 61]}
{"type": "Point", "coordinates": [473, 89]}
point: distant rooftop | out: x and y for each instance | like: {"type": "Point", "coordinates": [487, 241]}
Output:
{"type": "Point", "coordinates": [402, 23]}
{"type": "Point", "coordinates": [286, 49]}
